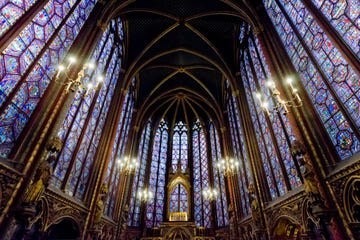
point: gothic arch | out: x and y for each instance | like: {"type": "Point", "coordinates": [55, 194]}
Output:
{"type": "Point", "coordinates": [179, 179]}
{"type": "Point", "coordinates": [64, 228]}
{"type": "Point", "coordinates": [351, 199]}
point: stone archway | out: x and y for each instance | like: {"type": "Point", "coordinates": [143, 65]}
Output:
{"type": "Point", "coordinates": [67, 228]}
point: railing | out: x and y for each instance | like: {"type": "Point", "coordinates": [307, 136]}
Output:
{"type": "Point", "coordinates": [178, 216]}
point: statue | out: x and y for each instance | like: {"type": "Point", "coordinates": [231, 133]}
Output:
{"type": "Point", "coordinates": [311, 189]}
{"type": "Point", "coordinates": [124, 217]}
{"type": "Point", "coordinates": [254, 204]}
{"type": "Point", "coordinates": [100, 205]}
{"type": "Point", "coordinates": [232, 223]}
{"type": "Point", "coordinates": [43, 173]}
{"type": "Point", "coordinates": [40, 182]}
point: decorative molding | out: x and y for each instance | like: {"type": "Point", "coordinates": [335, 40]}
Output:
{"type": "Point", "coordinates": [290, 207]}
{"type": "Point", "coordinates": [60, 209]}
{"type": "Point", "coordinates": [345, 171]}
{"type": "Point", "coordinates": [8, 180]}
{"type": "Point", "coordinates": [351, 199]}
{"type": "Point", "coordinates": [53, 193]}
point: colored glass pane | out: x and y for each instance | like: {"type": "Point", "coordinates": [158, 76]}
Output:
{"type": "Point", "coordinates": [219, 182]}
{"type": "Point", "coordinates": [261, 141]}
{"type": "Point", "coordinates": [180, 147]}
{"type": "Point", "coordinates": [11, 11]}
{"type": "Point", "coordinates": [178, 199]}
{"type": "Point", "coordinates": [343, 15]}
{"type": "Point", "coordinates": [93, 132]}
{"type": "Point", "coordinates": [240, 152]}
{"type": "Point", "coordinates": [139, 180]}
{"type": "Point", "coordinates": [202, 210]}
{"type": "Point", "coordinates": [277, 120]}
{"type": "Point", "coordinates": [329, 81]}
{"type": "Point", "coordinates": [39, 36]}
{"type": "Point", "coordinates": [78, 124]}
{"type": "Point", "coordinates": [155, 209]}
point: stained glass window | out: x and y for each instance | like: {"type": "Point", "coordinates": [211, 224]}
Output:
{"type": "Point", "coordinates": [273, 132]}
{"type": "Point", "coordinates": [222, 215]}
{"type": "Point", "coordinates": [329, 80]}
{"type": "Point", "coordinates": [139, 180]}
{"type": "Point", "coordinates": [72, 126]}
{"type": "Point", "coordinates": [344, 18]}
{"type": "Point", "coordinates": [179, 199]}
{"type": "Point", "coordinates": [113, 171]}
{"type": "Point", "coordinates": [180, 147]}
{"type": "Point", "coordinates": [27, 64]}
{"type": "Point", "coordinates": [82, 127]}
{"type": "Point", "coordinates": [240, 152]}
{"type": "Point", "coordinates": [202, 209]}
{"type": "Point", "coordinates": [11, 11]}
{"type": "Point", "coordinates": [155, 209]}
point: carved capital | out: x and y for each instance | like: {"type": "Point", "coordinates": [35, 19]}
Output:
{"type": "Point", "coordinates": [258, 29]}
{"type": "Point", "coordinates": [101, 25]}
{"type": "Point", "coordinates": [136, 128]}
{"type": "Point", "coordinates": [235, 93]}
{"type": "Point", "coordinates": [54, 144]}
{"type": "Point", "coordinates": [297, 149]}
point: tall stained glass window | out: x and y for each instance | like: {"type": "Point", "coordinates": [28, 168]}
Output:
{"type": "Point", "coordinates": [155, 209]}
{"type": "Point", "coordinates": [273, 132]}
{"type": "Point", "coordinates": [139, 179]}
{"type": "Point", "coordinates": [82, 127]}
{"type": "Point", "coordinates": [118, 151]}
{"type": "Point", "coordinates": [240, 152]}
{"type": "Point", "coordinates": [202, 208]}
{"type": "Point", "coordinates": [222, 215]}
{"type": "Point", "coordinates": [330, 81]}
{"type": "Point", "coordinates": [27, 63]}
{"type": "Point", "coordinates": [180, 147]}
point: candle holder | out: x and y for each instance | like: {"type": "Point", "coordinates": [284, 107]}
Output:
{"type": "Point", "coordinates": [72, 84]}
{"type": "Point", "coordinates": [280, 105]}
{"type": "Point", "coordinates": [210, 194]}
{"type": "Point", "coordinates": [228, 166]}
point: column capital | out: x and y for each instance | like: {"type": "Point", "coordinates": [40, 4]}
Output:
{"type": "Point", "coordinates": [101, 25]}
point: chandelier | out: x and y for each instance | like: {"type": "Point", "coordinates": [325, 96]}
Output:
{"type": "Point", "coordinates": [127, 164]}
{"type": "Point", "coordinates": [228, 166]}
{"type": "Point", "coordinates": [210, 193]}
{"type": "Point", "coordinates": [280, 105]}
{"type": "Point", "coordinates": [145, 195]}
{"type": "Point", "coordinates": [72, 84]}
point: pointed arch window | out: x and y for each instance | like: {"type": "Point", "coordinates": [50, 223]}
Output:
{"type": "Point", "coordinates": [274, 133]}
{"type": "Point", "coordinates": [180, 147]}
{"type": "Point", "coordinates": [118, 152]}
{"type": "Point", "coordinates": [139, 179]}
{"type": "Point", "coordinates": [222, 215]}
{"type": "Point", "coordinates": [240, 152]}
{"type": "Point", "coordinates": [330, 81]}
{"type": "Point", "coordinates": [82, 127]}
{"type": "Point", "coordinates": [155, 209]}
{"type": "Point", "coordinates": [27, 64]}
{"type": "Point", "coordinates": [202, 209]}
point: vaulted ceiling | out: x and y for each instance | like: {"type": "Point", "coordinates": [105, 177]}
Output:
{"type": "Point", "coordinates": [181, 52]}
